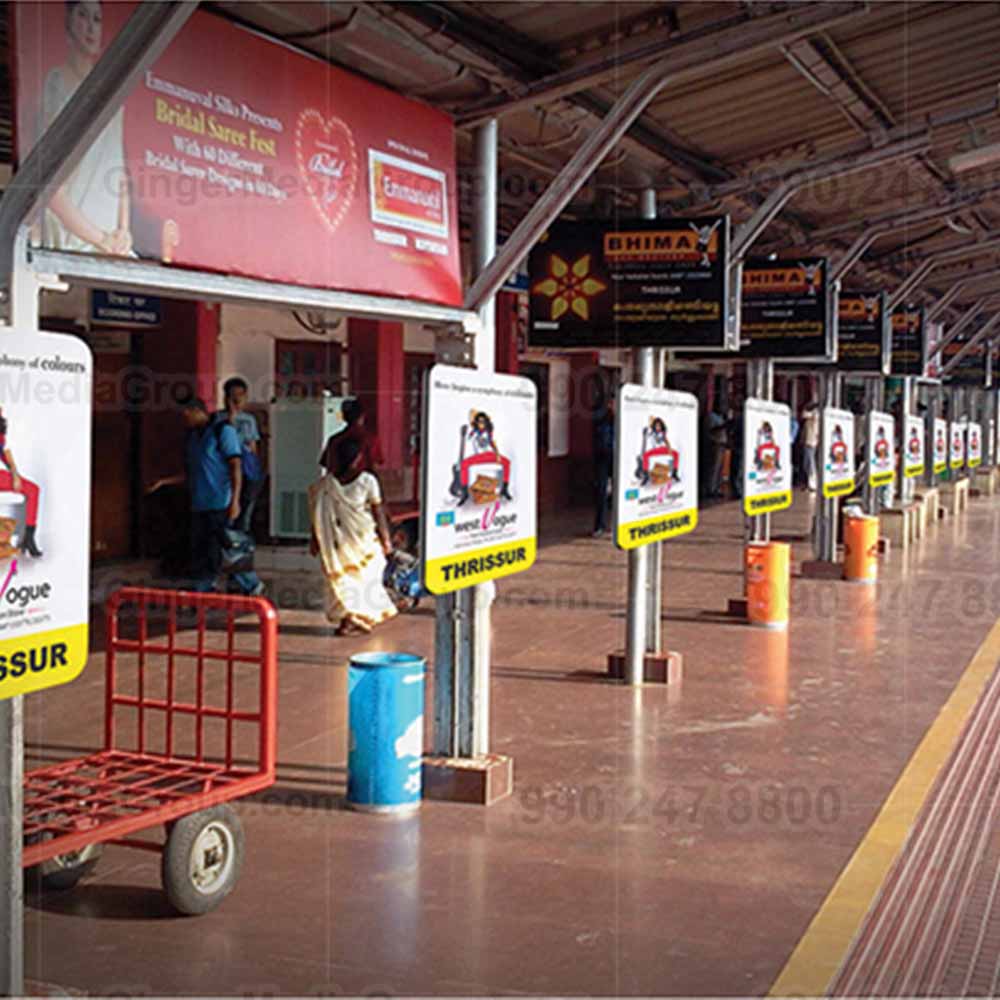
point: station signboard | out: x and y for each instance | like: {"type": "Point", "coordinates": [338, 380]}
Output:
{"type": "Point", "coordinates": [973, 367]}
{"type": "Point", "coordinates": [864, 338]}
{"type": "Point", "coordinates": [241, 155]}
{"type": "Point", "coordinates": [785, 313]}
{"type": "Point", "coordinates": [479, 477]}
{"type": "Point", "coordinates": [881, 449]}
{"type": "Point", "coordinates": [635, 283]}
{"type": "Point", "coordinates": [956, 445]}
{"type": "Point", "coordinates": [656, 465]}
{"type": "Point", "coordinates": [767, 445]}
{"type": "Point", "coordinates": [909, 341]}
{"type": "Point", "coordinates": [46, 384]}
{"type": "Point", "coordinates": [837, 442]}
{"type": "Point", "coordinates": [974, 445]}
{"type": "Point", "coordinates": [913, 447]}
{"type": "Point", "coordinates": [940, 446]}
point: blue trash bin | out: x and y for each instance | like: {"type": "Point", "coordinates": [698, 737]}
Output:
{"type": "Point", "coordinates": [385, 731]}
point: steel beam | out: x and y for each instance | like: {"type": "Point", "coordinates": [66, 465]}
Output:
{"type": "Point", "coordinates": [980, 336]}
{"type": "Point", "coordinates": [931, 262]}
{"type": "Point", "coordinates": [136, 47]}
{"type": "Point", "coordinates": [839, 166]}
{"type": "Point", "coordinates": [967, 318]}
{"type": "Point", "coordinates": [960, 286]}
{"type": "Point", "coordinates": [707, 54]}
{"type": "Point", "coordinates": [803, 20]}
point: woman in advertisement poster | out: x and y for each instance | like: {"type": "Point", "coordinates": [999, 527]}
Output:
{"type": "Point", "coordinates": [656, 443]}
{"type": "Point", "coordinates": [350, 534]}
{"type": "Point", "coordinates": [91, 211]}
{"type": "Point", "coordinates": [478, 439]}
{"type": "Point", "coordinates": [767, 455]}
{"type": "Point", "coordinates": [12, 480]}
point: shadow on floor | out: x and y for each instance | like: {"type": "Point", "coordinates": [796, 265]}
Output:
{"type": "Point", "coordinates": [570, 676]}
{"type": "Point", "coordinates": [96, 900]}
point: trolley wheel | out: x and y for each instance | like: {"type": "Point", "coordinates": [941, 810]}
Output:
{"type": "Point", "coordinates": [202, 859]}
{"type": "Point", "coordinates": [64, 870]}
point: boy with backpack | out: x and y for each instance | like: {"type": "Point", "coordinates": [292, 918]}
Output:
{"type": "Point", "coordinates": [245, 424]}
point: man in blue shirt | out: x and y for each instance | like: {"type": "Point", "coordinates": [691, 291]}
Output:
{"type": "Point", "coordinates": [213, 462]}
{"type": "Point", "coordinates": [235, 392]}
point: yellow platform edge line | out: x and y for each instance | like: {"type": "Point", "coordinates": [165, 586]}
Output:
{"type": "Point", "coordinates": [813, 964]}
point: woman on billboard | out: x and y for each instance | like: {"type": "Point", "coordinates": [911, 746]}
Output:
{"type": "Point", "coordinates": [90, 211]}
{"type": "Point", "coordinates": [11, 479]}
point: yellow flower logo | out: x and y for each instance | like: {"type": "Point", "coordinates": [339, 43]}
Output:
{"type": "Point", "coordinates": [569, 288]}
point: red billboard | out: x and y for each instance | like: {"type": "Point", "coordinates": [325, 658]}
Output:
{"type": "Point", "coordinates": [240, 155]}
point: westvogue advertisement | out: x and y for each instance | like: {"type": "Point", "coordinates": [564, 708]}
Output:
{"type": "Point", "coordinates": [767, 443]}
{"type": "Point", "coordinates": [881, 448]}
{"type": "Point", "coordinates": [237, 154]}
{"type": "Point", "coordinates": [656, 465]}
{"type": "Point", "coordinates": [940, 445]}
{"type": "Point", "coordinates": [913, 447]}
{"type": "Point", "coordinates": [837, 468]}
{"type": "Point", "coordinates": [479, 477]}
{"type": "Point", "coordinates": [46, 384]}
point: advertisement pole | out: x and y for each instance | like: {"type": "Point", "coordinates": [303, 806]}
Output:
{"type": "Point", "coordinates": [906, 483]}
{"type": "Point", "coordinates": [654, 583]}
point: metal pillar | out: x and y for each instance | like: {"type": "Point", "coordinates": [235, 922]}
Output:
{"type": "Point", "coordinates": [906, 485]}
{"type": "Point", "coordinates": [827, 511]}
{"type": "Point", "coordinates": [462, 619]}
{"type": "Point", "coordinates": [760, 385]}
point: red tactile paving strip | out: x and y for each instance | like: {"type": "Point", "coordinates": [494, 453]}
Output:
{"type": "Point", "coordinates": [935, 928]}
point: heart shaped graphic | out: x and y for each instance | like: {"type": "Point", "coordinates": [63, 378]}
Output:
{"type": "Point", "coordinates": [328, 164]}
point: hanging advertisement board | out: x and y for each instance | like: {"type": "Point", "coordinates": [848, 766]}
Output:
{"type": "Point", "coordinates": [909, 343]}
{"type": "Point", "coordinates": [956, 446]}
{"type": "Point", "coordinates": [767, 445]}
{"type": "Point", "coordinates": [837, 442]}
{"type": "Point", "coordinates": [240, 155]}
{"type": "Point", "coordinates": [656, 465]}
{"type": "Point", "coordinates": [785, 313]}
{"type": "Point", "coordinates": [940, 446]}
{"type": "Point", "coordinates": [635, 283]}
{"type": "Point", "coordinates": [974, 445]}
{"type": "Point", "coordinates": [864, 338]}
{"type": "Point", "coordinates": [973, 367]}
{"type": "Point", "coordinates": [913, 447]}
{"type": "Point", "coordinates": [881, 448]}
{"type": "Point", "coordinates": [46, 384]}
{"type": "Point", "coordinates": [479, 487]}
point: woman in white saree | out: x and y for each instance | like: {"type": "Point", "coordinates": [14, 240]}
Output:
{"type": "Point", "coordinates": [350, 534]}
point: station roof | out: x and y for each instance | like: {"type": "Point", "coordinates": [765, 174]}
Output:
{"type": "Point", "coordinates": [716, 139]}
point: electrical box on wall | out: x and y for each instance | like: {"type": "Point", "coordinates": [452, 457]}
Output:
{"type": "Point", "coordinates": [299, 430]}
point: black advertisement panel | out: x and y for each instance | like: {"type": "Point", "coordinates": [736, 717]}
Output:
{"type": "Point", "coordinates": [973, 368]}
{"type": "Point", "coordinates": [864, 343]}
{"type": "Point", "coordinates": [636, 283]}
{"type": "Point", "coordinates": [785, 308]}
{"type": "Point", "coordinates": [909, 341]}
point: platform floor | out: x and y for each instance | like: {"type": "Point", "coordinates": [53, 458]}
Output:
{"type": "Point", "coordinates": [661, 841]}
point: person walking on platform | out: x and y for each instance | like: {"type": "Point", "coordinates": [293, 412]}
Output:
{"type": "Point", "coordinates": [810, 444]}
{"type": "Point", "coordinates": [735, 426]}
{"type": "Point", "coordinates": [235, 395]}
{"type": "Point", "coordinates": [604, 457]}
{"type": "Point", "coordinates": [214, 475]}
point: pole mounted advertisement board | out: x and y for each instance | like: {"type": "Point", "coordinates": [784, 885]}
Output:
{"type": "Point", "coordinates": [838, 452]}
{"type": "Point", "coordinates": [973, 368]}
{"type": "Point", "coordinates": [909, 341]}
{"type": "Point", "coordinates": [786, 310]}
{"type": "Point", "coordinates": [940, 446]}
{"type": "Point", "coordinates": [974, 445]}
{"type": "Point", "coordinates": [913, 447]}
{"type": "Point", "coordinates": [956, 446]}
{"type": "Point", "coordinates": [479, 487]}
{"type": "Point", "coordinates": [656, 465]}
{"type": "Point", "coordinates": [864, 338]}
{"type": "Point", "coordinates": [767, 445]}
{"type": "Point", "coordinates": [635, 283]}
{"type": "Point", "coordinates": [881, 448]}
{"type": "Point", "coordinates": [46, 384]}
{"type": "Point", "coordinates": [238, 154]}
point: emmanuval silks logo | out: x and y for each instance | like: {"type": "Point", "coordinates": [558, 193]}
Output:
{"type": "Point", "coordinates": [569, 287]}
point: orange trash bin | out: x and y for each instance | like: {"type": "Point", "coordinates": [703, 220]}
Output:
{"type": "Point", "coordinates": [768, 578]}
{"type": "Point", "coordinates": [861, 548]}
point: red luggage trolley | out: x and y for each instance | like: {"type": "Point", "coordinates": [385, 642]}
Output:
{"type": "Point", "coordinates": [190, 724]}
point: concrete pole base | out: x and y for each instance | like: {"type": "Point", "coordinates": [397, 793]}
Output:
{"type": "Point", "coordinates": [658, 668]}
{"type": "Point", "coordinates": [477, 781]}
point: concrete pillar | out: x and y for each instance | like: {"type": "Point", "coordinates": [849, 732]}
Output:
{"type": "Point", "coordinates": [375, 359]}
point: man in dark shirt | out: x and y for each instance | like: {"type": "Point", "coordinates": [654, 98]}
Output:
{"type": "Point", "coordinates": [604, 457]}
{"type": "Point", "coordinates": [214, 473]}
{"type": "Point", "coordinates": [371, 448]}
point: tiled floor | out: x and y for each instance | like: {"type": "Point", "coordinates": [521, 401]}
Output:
{"type": "Point", "coordinates": [660, 841]}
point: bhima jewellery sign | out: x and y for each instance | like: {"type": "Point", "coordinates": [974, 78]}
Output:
{"type": "Point", "coordinates": [479, 487]}
{"type": "Point", "coordinates": [653, 282]}
{"type": "Point", "coordinates": [45, 436]}
{"type": "Point", "coordinates": [237, 154]}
